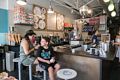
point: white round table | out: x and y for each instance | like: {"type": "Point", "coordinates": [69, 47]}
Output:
{"type": "Point", "coordinates": [66, 74]}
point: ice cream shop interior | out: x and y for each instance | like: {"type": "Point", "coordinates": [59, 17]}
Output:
{"type": "Point", "coordinates": [59, 39]}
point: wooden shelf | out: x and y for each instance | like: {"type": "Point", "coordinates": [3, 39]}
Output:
{"type": "Point", "coordinates": [25, 24]}
{"type": "Point", "coordinates": [48, 30]}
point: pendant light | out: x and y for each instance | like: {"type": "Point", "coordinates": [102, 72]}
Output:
{"type": "Point", "coordinates": [106, 1]}
{"type": "Point", "coordinates": [113, 13]}
{"type": "Point", "coordinates": [111, 7]}
{"type": "Point", "coordinates": [89, 11]}
{"type": "Point", "coordinates": [21, 2]}
{"type": "Point", "coordinates": [50, 9]}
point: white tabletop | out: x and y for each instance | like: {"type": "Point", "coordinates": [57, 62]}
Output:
{"type": "Point", "coordinates": [66, 73]}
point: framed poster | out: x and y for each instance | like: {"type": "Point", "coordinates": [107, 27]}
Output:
{"type": "Point", "coordinates": [60, 22]}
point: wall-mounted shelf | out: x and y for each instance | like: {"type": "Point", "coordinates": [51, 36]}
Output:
{"type": "Point", "coordinates": [48, 30]}
{"type": "Point", "coordinates": [25, 24]}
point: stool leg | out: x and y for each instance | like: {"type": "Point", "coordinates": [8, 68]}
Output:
{"type": "Point", "coordinates": [45, 75]}
{"type": "Point", "coordinates": [3, 64]}
{"type": "Point", "coordinates": [30, 72]}
{"type": "Point", "coordinates": [19, 69]}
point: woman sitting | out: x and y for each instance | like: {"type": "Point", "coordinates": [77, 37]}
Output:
{"type": "Point", "coordinates": [27, 48]}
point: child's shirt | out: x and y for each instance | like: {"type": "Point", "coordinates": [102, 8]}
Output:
{"type": "Point", "coordinates": [46, 54]}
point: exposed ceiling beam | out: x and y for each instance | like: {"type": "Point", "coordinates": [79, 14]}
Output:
{"type": "Point", "coordinates": [69, 3]}
{"type": "Point", "coordinates": [98, 14]}
{"type": "Point", "coordinates": [73, 6]}
{"type": "Point", "coordinates": [89, 2]}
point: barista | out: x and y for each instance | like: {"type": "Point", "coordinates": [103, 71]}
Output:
{"type": "Point", "coordinates": [95, 40]}
{"type": "Point", "coordinates": [71, 34]}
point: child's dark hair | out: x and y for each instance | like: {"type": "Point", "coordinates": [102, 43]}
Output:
{"type": "Point", "coordinates": [47, 39]}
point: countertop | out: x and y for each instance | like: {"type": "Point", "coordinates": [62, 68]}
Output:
{"type": "Point", "coordinates": [110, 55]}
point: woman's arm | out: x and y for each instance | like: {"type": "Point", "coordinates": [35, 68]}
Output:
{"type": "Point", "coordinates": [25, 46]}
{"type": "Point", "coordinates": [116, 43]}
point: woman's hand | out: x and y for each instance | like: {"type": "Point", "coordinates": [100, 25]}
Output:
{"type": "Point", "coordinates": [113, 43]}
{"type": "Point", "coordinates": [37, 46]}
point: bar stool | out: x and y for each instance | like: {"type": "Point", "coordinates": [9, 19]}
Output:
{"type": "Point", "coordinates": [19, 68]}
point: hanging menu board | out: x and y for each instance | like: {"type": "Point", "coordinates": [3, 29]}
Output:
{"type": "Point", "coordinates": [51, 21]}
{"type": "Point", "coordinates": [60, 22]}
{"type": "Point", "coordinates": [39, 17]}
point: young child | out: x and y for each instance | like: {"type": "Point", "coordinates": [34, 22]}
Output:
{"type": "Point", "coordinates": [46, 58]}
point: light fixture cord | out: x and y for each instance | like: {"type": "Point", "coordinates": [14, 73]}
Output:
{"type": "Point", "coordinates": [50, 6]}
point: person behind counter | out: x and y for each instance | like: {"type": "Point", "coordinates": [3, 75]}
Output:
{"type": "Point", "coordinates": [117, 43]}
{"type": "Point", "coordinates": [47, 59]}
{"type": "Point", "coordinates": [71, 34]}
{"type": "Point", "coordinates": [95, 38]}
{"type": "Point", "coordinates": [27, 48]}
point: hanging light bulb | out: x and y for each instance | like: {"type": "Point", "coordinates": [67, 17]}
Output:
{"type": "Point", "coordinates": [89, 11]}
{"type": "Point", "coordinates": [111, 7]}
{"type": "Point", "coordinates": [72, 11]}
{"type": "Point", "coordinates": [21, 2]}
{"type": "Point", "coordinates": [50, 9]}
{"type": "Point", "coordinates": [83, 11]}
{"type": "Point", "coordinates": [113, 13]}
{"type": "Point", "coordinates": [106, 1]}
{"type": "Point", "coordinates": [104, 11]}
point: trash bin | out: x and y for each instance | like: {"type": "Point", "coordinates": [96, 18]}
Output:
{"type": "Point", "coordinates": [9, 61]}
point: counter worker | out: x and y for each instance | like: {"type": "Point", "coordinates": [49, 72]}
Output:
{"type": "Point", "coordinates": [95, 38]}
{"type": "Point", "coordinates": [71, 35]}
{"type": "Point", "coordinates": [27, 49]}
{"type": "Point", "coordinates": [117, 43]}
{"type": "Point", "coordinates": [47, 59]}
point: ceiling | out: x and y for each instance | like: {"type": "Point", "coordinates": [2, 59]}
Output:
{"type": "Point", "coordinates": [96, 5]}
{"type": "Point", "coordinates": [73, 5]}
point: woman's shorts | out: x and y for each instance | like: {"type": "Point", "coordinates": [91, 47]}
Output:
{"type": "Point", "coordinates": [28, 61]}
